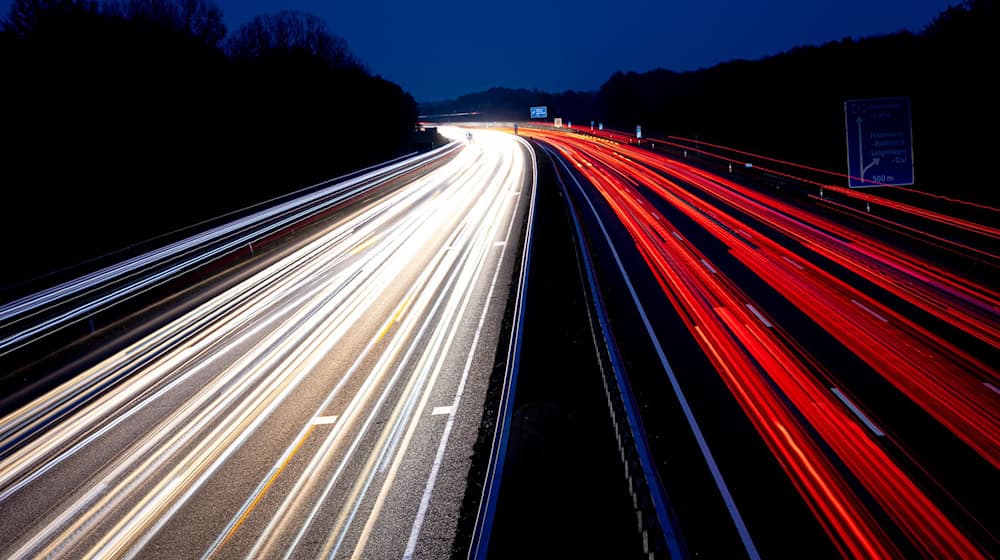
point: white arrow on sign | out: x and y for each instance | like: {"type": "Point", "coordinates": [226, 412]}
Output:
{"type": "Point", "coordinates": [861, 152]}
{"type": "Point", "coordinates": [869, 166]}
{"type": "Point", "coordinates": [861, 149]}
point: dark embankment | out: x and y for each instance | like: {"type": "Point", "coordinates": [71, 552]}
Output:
{"type": "Point", "coordinates": [126, 120]}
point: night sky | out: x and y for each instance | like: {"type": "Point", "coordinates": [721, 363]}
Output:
{"type": "Point", "coordinates": [445, 48]}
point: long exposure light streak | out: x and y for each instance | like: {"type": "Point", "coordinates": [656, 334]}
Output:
{"type": "Point", "coordinates": [334, 348]}
{"type": "Point", "coordinates": [785, 392]}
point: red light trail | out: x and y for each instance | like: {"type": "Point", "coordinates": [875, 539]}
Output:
{"type": "Point", "coordinates": [783, 390]}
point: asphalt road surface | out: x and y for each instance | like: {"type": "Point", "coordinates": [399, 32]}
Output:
{"type": "Point", "coordinates": [813, 381]}
{"type": "Point", "coordinates": [325, 406]}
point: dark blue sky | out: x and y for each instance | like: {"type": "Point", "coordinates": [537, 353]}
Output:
{"type": "Point", "coordinates": [445, 48]}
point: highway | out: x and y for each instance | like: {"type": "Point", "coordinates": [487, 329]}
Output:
{"type": "Point", "coordinates": [324, 406]}
{"type": "Point", "coordinates": [812, 386]}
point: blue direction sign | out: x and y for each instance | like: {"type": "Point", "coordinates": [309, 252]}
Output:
{"type": "Point", "coordinates": [540, 112]}
{"type": "Point", "coordinates": [879, 142]}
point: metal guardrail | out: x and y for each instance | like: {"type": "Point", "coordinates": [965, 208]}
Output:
{"type": "Point", "coordinates": [272, 224]}
{"type": "Point", "coordinates": [655, 524]}
{"type": "Point", "coordinates": [33, 317]}
{"type": "Point", "coordinates": [660, 533]}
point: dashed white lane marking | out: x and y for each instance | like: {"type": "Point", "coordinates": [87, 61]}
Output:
{"type": "Point", "coordinates": [418, 522]}
{"type": "Point", "coordinates": [324, 420]}
{"type": "Point", "coordinates": [759, 316]}
{"type": "Point", "coordinates": [793, 263]}
{"type": "Point", "coordinates": [866, 308]}
{"type": "Point", "coordinates": [991, 387]}
{"type": "Point", "coordinates": [857, 412]}
{"type": "Point", "coordinates": [438, 410]}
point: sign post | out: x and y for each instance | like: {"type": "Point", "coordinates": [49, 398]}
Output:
{"type": "Point", "coordinates": [879, 142]}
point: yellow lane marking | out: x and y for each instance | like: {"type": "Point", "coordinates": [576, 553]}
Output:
{"type": "Point", "coordinates": [260, 494]}
{"type": "Point", "coordinates": [395, 317]}
{"type": "Point", "coordinates": [402, 308]}
{"type": "Point", "coordinates": [364, 245]}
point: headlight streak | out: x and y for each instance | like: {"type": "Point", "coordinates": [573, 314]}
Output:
{"type": "Point", "coordinates": [254, 294]}
{"type": "Point", "coordinates": [443, 344]}
{"type": "Point", "coordinates": [444, 273]}
{"type": "Point", "coordinates": [66, 398]}
{"type": "Point", "coordinates": [140, 273]}
{"type": "Point", "coordinates": [270, 332]}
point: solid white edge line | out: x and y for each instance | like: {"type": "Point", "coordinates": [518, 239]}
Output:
{"type": "Point", "coordinates": [720, 483]}
{"type": "Point", "coordinates": [425, 499]}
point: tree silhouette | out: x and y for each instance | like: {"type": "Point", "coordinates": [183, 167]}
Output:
{"type": "Point", "coordinates": [29, 17]}
{"type": "Point", "coordinates": [287, 32]}
{"type": "Point", "coordinates": [128, 119]}
{"type": "Point", "coordinates": [199, 18]}
{"type": "Point", "coordinates": [791, 105]}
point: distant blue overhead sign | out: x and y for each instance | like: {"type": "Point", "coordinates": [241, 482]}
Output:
{"type": "Point", "coordinates": [879, 142]}
{"type": "Point", "coordinates": [540, 112]}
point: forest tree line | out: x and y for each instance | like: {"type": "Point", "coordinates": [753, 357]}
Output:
{"type": "Point", "coordinates": [125, 119]}
{"type": "Point", "coordinates": [791, 105]}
